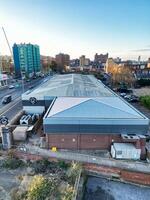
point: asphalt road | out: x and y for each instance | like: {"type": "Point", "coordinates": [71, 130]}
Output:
{"type": "Point", "coordinates": [12, 108]}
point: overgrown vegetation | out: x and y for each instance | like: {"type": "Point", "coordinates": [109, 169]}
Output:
{"type": "Point", "coordinates": [42, 166]}
{"type": "Point", "coordinates": [41, 187]}
{"type": "Point", "coordinates": [74, 171]}
{"type": "Point", "coordinates": [143, 82]}
{"type": "Point", "coordinates": [12, 163]}
{"type": "Point", "coordinates": [145, 100]}
{"type": "Point", "coordinates": [49, 180]}
{"type": "Point", "coordinates": [62, 164]}
{"type": "Point", "coordinates": [67, 194]}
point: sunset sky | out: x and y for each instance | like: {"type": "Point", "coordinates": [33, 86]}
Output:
{"type": "Point", "coordinates": [76, 27]}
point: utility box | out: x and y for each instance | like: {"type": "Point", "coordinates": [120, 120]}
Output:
{"type": "Point", "coordinates": [125, 151]}
{"type": "Point", "coordinates": [6, 137]}
{"type": "Point", "coordinates": [20, 133]}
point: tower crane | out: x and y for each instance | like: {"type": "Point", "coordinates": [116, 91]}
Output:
{"type": "Point", "coordinates": [7, 42]}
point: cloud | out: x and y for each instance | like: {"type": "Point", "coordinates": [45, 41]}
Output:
{"type": "Point", "coordinates": [142, 50]}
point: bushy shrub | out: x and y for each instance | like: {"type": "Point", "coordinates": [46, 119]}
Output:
{"type": "Point", "coordinates": [62, 164]}
{"type": "Point", "coordinates": [39, 166]}
{"type": "Point", "coordinates": [41, 188]}
{"type": "Point", "coordinates": [42, 166]}
{"type": "Point", "coordinates": [143, 82]}
{"type": "Point", "coordinates": [13, 163]}
{"type": "Point", "coordinates": [145, 100]}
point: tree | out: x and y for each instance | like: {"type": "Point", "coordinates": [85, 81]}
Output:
{"type": "Point", "coordinates": [54, 66]}
{"type": "Point", "coordinates": [119, 72]}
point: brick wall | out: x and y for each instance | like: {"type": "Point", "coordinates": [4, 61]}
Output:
{"type": "Point", "coordinates": [27, 156]}
{"type": "Point", "coordinates": [129, 176]}
{"type": "Point", "coordinates": [102, 170]}
{"type": "Point", "coordinates": [136, 177]}
{"type": "Point", "coordinates": [83, 141]}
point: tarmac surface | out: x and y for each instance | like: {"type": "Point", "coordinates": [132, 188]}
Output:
{"type": "Point", "coordinates": [11, 109]}
{"type": "Point", "coordinates": [104, 189]}
{"type": "Point", "coordinates": [80, 157]}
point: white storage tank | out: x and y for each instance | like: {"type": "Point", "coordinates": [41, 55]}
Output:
{"type": "Point", "coordinates": [125, 151]}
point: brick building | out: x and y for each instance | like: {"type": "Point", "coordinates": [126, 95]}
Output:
{"type": "Point", "coordinates": [91, 123]}
{"type": "Point", "coordinates": [82, 113]}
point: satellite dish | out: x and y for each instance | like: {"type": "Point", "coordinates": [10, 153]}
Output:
{"type": "Point", "coordinates": [4, 120]}
{"type": "Point", "coordinates": [33, 100]}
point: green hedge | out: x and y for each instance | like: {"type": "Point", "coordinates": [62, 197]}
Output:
{"type": "Point", "coordinates": [143, 82]}
{"type": "Point", "coordinates": [145, 100]}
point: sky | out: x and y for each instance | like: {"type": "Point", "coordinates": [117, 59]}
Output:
{"type": "Point", "coordinates": [78, 27]}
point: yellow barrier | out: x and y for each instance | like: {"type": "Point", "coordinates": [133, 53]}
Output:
{"type": "Point", "coordinates": [54, 149]}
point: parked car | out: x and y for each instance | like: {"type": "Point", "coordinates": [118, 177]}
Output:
{"type": "Point", "coordinates": [132, 98]}
{"type": "Point", "coordinates": [31, 87]}
{"type": "Point", "coordinates": [6, 99]}
{"type": "Point", "coordinates": [11, 87]}
{"type": "Point", "coordinates": [123, 94]}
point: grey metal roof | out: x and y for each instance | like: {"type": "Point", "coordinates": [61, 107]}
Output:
{"type": "Point", "coordinates": [94, 115]}
{"type": "Point", "coordinates": [65, 108]}
{"type": "Point", "coordinates": [70, 85]}
{"type": "Point", "coordinates": [124, 146]}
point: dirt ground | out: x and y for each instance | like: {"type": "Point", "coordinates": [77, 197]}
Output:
{"type": "Point", "coordinates": [8, 181]}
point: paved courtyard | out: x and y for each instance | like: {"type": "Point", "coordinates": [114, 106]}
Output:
{"type": "Point", "coordinates": [103, 189]}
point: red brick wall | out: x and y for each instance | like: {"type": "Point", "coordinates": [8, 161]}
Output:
{"type": "Point", "coordinates": [136, 177]}
{"type": "Point", "coordinates": [63, 141]}
{"type": "Point", "coordinates": [27, 156]}
{"type": "Point", "coordinates": [102, 169]}
{"type": "Point", "coordinates": [129, 176]}
{"type": "Point", "coordinates": [83, 141]}
{"type": "Point", "coordinates": [94, 142]}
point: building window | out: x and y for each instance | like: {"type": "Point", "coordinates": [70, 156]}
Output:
{"type": "Point", "coordinates": [73, 140]}
{"type": "Point", "coordinates": [119, 152]}
{"type": "Point", "coordinates": [62, 140]}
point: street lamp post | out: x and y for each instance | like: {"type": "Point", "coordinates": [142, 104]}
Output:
{"type": "Point", "coordinates": [22, 79]}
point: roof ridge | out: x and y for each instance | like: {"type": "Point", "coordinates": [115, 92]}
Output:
{"type": "Point", "coordinates": [86, 99]}
{"type": "Point", "coordinates": [93, 99]}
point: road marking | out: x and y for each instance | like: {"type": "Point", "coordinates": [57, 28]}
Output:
{"type": "Point", "coordinates": [10, 107]}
